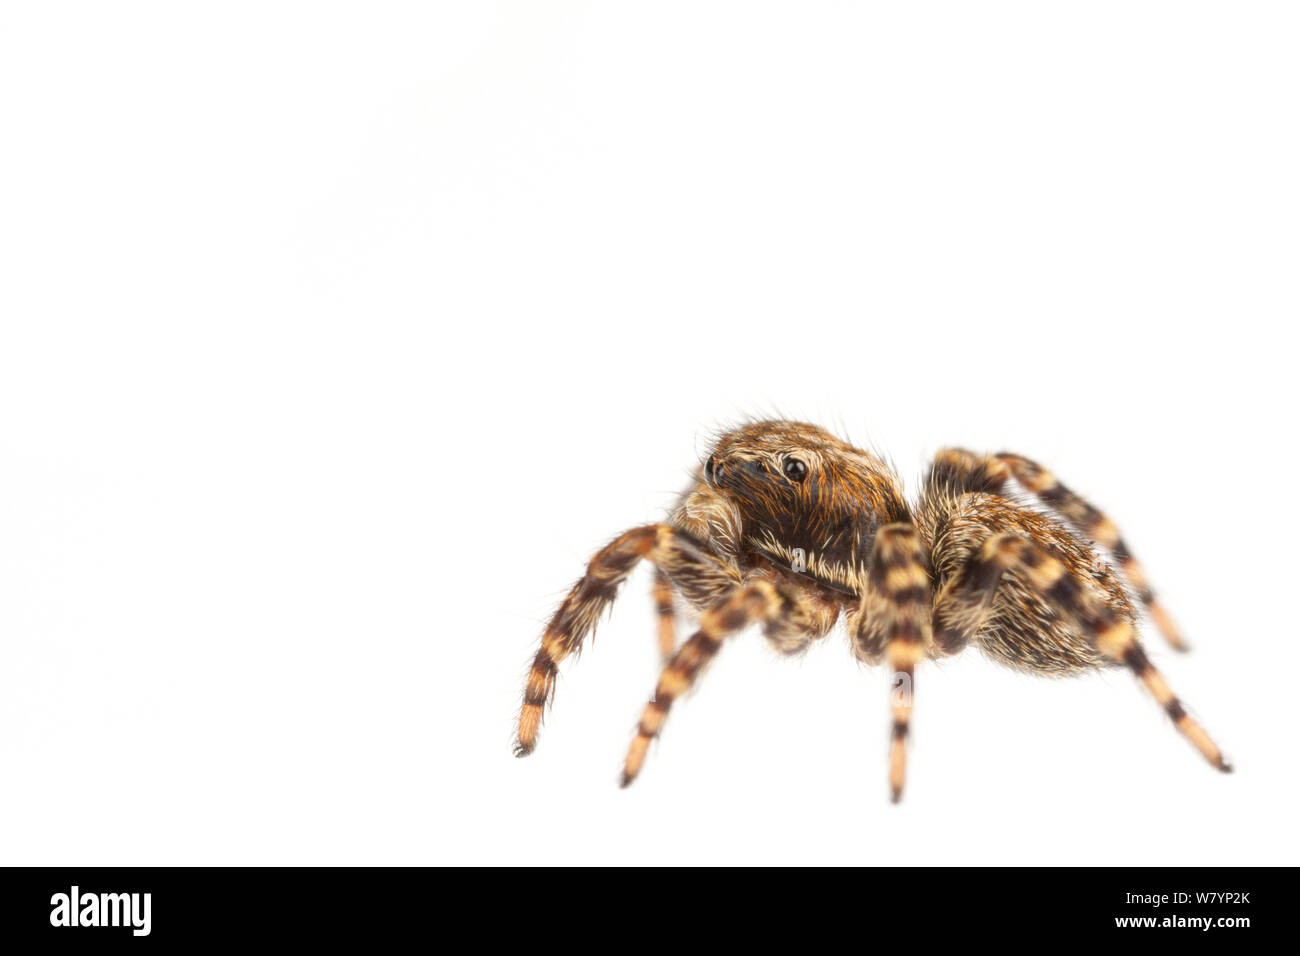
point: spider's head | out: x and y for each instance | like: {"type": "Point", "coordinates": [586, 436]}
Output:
{"type": "Point", "coordinates": [797, 486]}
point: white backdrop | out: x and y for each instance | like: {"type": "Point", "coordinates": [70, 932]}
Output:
{"type": "Point", "coordinates": [337, 337]}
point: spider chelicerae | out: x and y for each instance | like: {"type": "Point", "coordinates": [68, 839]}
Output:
{"type": "Point", "coordinates": [789, 527]}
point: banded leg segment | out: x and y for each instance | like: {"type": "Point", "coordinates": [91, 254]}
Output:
{"type": "Point", "coordinates": [1088, 519]}
{"type": "Point", "coordinates": [1111, 633]}
{"type": "Point", "coordinates": [662, 593]}
{"type": "Point", "coordinates": [894, 622]}
{"type": "Point", "coordinates": [963, 605]}
{"type": "Point", "coordinates": [788, 622]}
{"type": "Point", "coordinates": [671, 550]}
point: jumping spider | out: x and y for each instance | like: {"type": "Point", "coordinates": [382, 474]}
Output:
{"type": "Point", "coordinates": [969, 563]}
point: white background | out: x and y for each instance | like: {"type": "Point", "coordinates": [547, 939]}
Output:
{"type": "Point", "coordinates": [337, 337]}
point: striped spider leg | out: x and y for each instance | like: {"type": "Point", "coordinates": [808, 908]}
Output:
{"type": "Point", "coordinates": [681, 557]}
{"type": "Point", "coordinates": [892, 624]}
{"type": "Point", "coordinates": [792, 618]}
{"type": "Point", "coordinates": [1088, 519]}
{"type": "Point", "coordinates": [1026, 589]}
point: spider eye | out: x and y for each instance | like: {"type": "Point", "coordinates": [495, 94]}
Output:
{"type": "Point", "coordinates": [795, 470]}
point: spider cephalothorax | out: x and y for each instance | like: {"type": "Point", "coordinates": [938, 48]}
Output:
{"type": "Point", "coordinates": [803, 495]}
{"type": "Point", "coordinates": [789, 527]}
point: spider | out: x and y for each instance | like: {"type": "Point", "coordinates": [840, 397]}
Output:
{"type": "Point", "coordinates": [788, 526]}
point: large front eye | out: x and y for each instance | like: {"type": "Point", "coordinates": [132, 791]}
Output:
{"type": "Point", "coordinates": [795, 470]}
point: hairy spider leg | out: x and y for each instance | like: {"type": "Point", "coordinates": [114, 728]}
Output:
{"type": "Point", "coordinates": [892, 624]}
{"type": "Point", "coordinates": [789, 621]}
{"type": "Point", "coordinates": [1101, 529]}
{"type": "Point", "coordinates": [1076, 597]}
{"type": "Point", "coordinates": [662, 594]}
{"type": "Point", "coordinates": [684, 559]}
